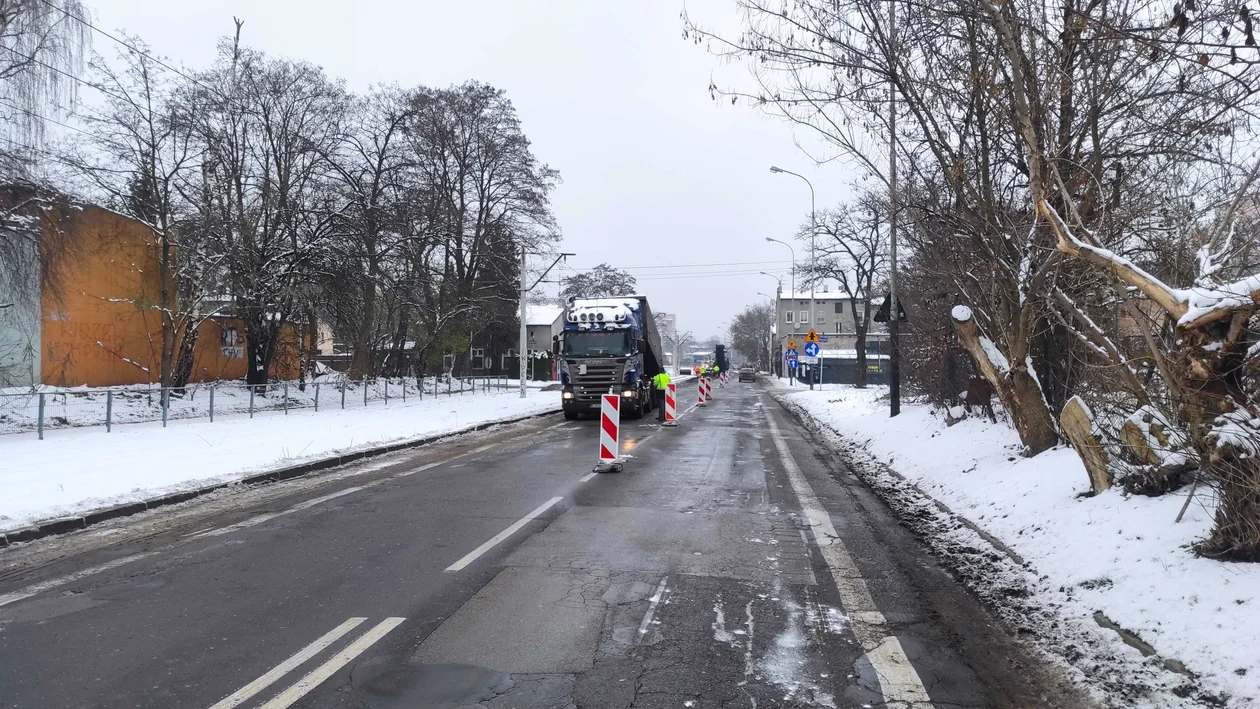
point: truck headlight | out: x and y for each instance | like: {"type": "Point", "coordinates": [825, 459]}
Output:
{"type": "Point", "coordinates": [629, 393]}
{"type": "Point", "coordinates": [567, 395]}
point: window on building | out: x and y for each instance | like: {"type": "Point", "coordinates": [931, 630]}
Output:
{"type": "Point", "coordinates": [478, 353]}
{"type": "Point", "coordinates": [227, 337]}
{"type": "Point", "coordinates": [820, 317]}
{"type": "Point", "coordinates": [789, 316]}
{"type": "Point", "coordinates": [839, 307]}
{"type": "Point", "coordinates": [804, 317]}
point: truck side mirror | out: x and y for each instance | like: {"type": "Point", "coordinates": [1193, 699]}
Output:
{"type": "Point", "coordinates": [555, 344]}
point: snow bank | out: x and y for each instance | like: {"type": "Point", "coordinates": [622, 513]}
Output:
{"type": "Point", "coordinates": [74, 471]}
{"type": "Point", "coordinates": [1122, 556]}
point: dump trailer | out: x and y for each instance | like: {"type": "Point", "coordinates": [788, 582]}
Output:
{"type": "Point", "coordinates": [608, 346]}
{"type": "Point", "coordinates": [719, 358]}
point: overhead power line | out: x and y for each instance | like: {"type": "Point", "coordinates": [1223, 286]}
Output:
{"type": "Point", "coordinates": [128, 45]}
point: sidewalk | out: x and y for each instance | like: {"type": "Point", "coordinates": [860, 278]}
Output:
{"type": "Point", "coordinates": [76, 470]}
{"type": "Point", "coordinates": [1089, 561]}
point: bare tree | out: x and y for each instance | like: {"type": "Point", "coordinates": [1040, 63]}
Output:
{"type": "Point", "coordinates": [853, 250]}
{"type": "Point", "coordinates": [750, 332]}
{"type": "Point", "coordinates": [140, 154]}
{"type": "Point", "coordinates": [602, 281]}
{"type": "Point", "coordinates": [266, 126]}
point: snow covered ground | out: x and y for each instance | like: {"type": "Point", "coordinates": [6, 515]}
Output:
{"type": "Point", "coordinates": [1119, 556]}
{"type": "Point", "coordinates": [76, 470]}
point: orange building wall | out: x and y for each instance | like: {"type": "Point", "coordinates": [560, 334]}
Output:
{"type": "Point", "coordinates": [102, 329]}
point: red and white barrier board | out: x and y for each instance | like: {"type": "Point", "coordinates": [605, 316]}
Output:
{"type": "Point", "coordinates": [671, 404]}
{"type": "Point", "coordinates": [609, 429]}
{"type": "Point", "coordinates": [708, 389]}
{"type": "Point", "coordinates": [700, 382]}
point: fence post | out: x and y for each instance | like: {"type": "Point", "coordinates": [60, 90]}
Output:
{"type": "Point", "coordinates": [365, 392]}
{"type": "Point", "coordinates": [404, 385]}
{"type": "Point", "coordinates": [109, 409]}
{"type": "Point", "coordinates": [387, 391]}
{"type": "Point", "coordinates": [316, 397]}
{"type": "Point", "coordinates": [286, 398]}
{"type": "Point", "coordinates": [420, 381]}
{"type": "Point", "coordinates": [164, 395]}
{"type": "Point", "coordinates": [40, 424]}
{"type": "Point", "coordinates": [448, 386]}
{"type": "Point", "coordinates": [251, 400]}
{"type": "Point", "coordinates": [211, 403]}
{"type": "Point", "coordinates": [343, 393]}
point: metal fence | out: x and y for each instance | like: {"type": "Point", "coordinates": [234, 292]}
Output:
{"type": "Point", "coordinates": [51, 408]}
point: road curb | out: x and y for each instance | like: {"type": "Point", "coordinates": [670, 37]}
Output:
{"type": "Point", "coordinates": [62, 525]}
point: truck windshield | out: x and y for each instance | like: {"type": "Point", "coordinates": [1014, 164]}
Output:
{"type": "Point", "coordinates": [597, 344]}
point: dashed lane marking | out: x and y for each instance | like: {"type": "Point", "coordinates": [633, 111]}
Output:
{"type": "Point", "coordinates": [245, 693]}
{"type": "Point", "coordinates": [588, 476]}
{"type": "Point", "coordinates": [69, 578]}
{"type": "Point", "coordinates": [898, 680]}
{"type": "Point", "coordinates": [490, 544]}
{"type": "Point", "coordinates": [318, 675]}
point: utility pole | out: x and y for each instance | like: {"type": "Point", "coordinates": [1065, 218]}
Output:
{"type": "Point", "coordinates": [894, 306]}
{"type": "Point", "coordinates": [524, 347]}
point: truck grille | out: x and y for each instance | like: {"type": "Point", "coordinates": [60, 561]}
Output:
{"type": "Point", "coordinates": [601, 377]}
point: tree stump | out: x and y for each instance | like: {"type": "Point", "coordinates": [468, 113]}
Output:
{"type": "Point", "coordinates": [1077, 424]}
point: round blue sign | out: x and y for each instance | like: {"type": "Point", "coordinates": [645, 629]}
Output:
{"type": "Point", "coordinates": [811, 349]}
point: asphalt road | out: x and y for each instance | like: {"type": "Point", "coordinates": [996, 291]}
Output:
{"type": "Point", "coordinates": [733, 563]}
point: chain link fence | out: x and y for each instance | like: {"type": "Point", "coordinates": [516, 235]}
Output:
{"type": "Point", "coordinates": [50, 407]}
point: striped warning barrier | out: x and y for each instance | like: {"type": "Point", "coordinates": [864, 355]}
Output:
{"type": "Point", "coordinates": [700, 381]}
{"type": "Point", "coordinates": [671, 404]}
{"type": "Point", "coordinates": [708, 389]}
{"type": "Point", "coordinates": [609, 428]}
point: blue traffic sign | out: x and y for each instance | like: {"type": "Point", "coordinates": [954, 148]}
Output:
{"type": "Point", "coordinates": [791, 364]}
{"type": "Point", "coordinates": [811, 349]}
{"type": "Point", "coordinates": [791, 353]}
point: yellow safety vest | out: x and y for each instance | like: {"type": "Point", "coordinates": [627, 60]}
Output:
{"type": "Point", "coordinates": [661, 380]}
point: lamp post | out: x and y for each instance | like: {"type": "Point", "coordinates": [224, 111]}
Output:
{"type": "Point", "coordinates": [813, 232]}
{"type": "Point", "coordinates": [894, 303]}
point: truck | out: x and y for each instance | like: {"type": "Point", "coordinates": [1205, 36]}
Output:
{"type": "Point", "coordinates": [608, 346]}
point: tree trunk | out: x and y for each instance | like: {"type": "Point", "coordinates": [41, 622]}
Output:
{"type": "Point", "coordinates": [184, 363]}
{"type": "Point", "coordinates": [859, 376]}
{"type": "Point", "coordinates": [1078, 428]}
{"type": "Point", "coordinates": [361, 357]}
{"type": "Point", "coordinates": [1017, 389]}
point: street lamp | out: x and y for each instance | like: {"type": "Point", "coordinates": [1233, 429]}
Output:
{"type": "Point", "coordinates": [813, 232]}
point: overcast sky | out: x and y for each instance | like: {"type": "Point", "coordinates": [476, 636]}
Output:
{"type": "Point", "coordinates": [655, 172]}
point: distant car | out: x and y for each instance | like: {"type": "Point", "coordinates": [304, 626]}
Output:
{"type": "Point", "coordinates": [684, 371]}
{"type": "Point", "coordinates": [747, 374]}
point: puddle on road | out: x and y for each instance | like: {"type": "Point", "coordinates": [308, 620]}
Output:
{"type": "Point", "coordinates": [417, 686]}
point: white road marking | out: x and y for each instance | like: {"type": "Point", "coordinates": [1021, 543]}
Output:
{"type": "Point", "coordinates": [588, 476]}
{"type": "Point", "coordinates": [69, 578]}
{"type": "Point", "coordinates": [898, 680]}
{"type": "Point", "coordinates": [318, 675]}
{"type": "Point", "coordinates": [421, 469]}
{"type": "Point", "coordinates": [253, 521]}
{"type": "Point", "coordinates": [243, 694]}
{"type": "Point", "coordinates": [472, 555]}
{"type": "Point", "coordinates": [647, 619]}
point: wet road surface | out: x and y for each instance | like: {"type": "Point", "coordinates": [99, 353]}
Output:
{"type": "Point", "coordinates": [733, 563]}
